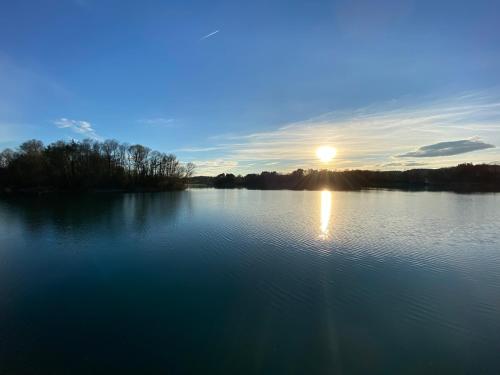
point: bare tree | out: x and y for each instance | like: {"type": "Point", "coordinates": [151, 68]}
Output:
{"type": "Point", "coordinates": [6, 157]}
{"type": "Point", "coordinates": [190, 167]}
{"type": "Point", "coordinates": [31, 147]}
{"type": "Point", "coordinates": [110, 149]}
{"type": "Point", "coordinates": [139, 155]}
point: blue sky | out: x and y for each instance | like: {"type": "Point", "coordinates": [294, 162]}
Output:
{"type": "Point", "coordinates": [249, 86]}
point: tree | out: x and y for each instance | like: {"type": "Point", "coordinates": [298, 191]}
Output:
{"type": "Point", "coordinates": [6, 157]}
{"type": "Point", "coordinates": [110, 150]}
{"type": "Point", "coordinates": [90, 164]}
{"type": "Point", "coordinates": [31, 147]}
{"type": "Point", "coordinates": [139, 155]}
{"type": "Point", "coordinates": [190, 167]}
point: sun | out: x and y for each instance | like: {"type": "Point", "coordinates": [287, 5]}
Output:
{"type": "Point", "coordinates": [325, 153]}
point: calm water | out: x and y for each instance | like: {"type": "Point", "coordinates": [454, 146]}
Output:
{"type": "Point", "coordinates": [236, 281]}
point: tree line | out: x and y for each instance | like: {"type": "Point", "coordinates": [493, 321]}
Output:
{"type": "Point", "coordinates": [464, 177]}
{"type": "Point", "coordinates": [90, 164]}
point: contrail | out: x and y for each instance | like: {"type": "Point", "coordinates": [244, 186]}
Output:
{"type": "Point", "coordinates": [209, 35]}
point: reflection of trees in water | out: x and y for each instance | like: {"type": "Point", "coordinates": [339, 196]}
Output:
{"type": "Point", "coordinates": [140, 211]}
{"type": "Point", "coordinates": [86, 212]}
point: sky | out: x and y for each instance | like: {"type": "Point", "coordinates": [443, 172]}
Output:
{"type": "Point", "coordinates": [247, 86]}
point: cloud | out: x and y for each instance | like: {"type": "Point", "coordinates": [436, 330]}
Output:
{"type": "Point", "coordinates": [403, 164]}
{"type": "Point", "coordinates": [158, 121]}
{"type": "Point", "coordinates": [214, 167]}
{"type": "Point", "coordinates": [365, 134]}
{"type": "Point", "coordinates": [448, 148]}
{"type": "Point", "coordinates": [365, 138]}
{"type": "Point", "coordinates": [209, 35]}
{"type": "Point", "coordinates": [198, 149]}
{"type": "Point", "coordinates": [80, 127]}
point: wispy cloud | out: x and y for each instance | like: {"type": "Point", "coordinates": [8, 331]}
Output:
{"type": "Point", "coordinates": [80, 127]}
{"type": "Point", "coordinates": [157, 121]}
{"type": "Point", "coordinates": [370, 137]}
{"type": "Point", "coordinates": [447, 148]}
{"type": "Point", "coordinates": [215, 166]}
{"type": "Point", "coordinates": [199, 149]}
{"type": "Point", "coordinates": [209, 35]}
{"type": "Point", "coordinates": [409, 164]}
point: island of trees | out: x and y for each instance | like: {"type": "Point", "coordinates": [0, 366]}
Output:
{"type": "Point", "coordinates": [90, 165]}
{"type": "Point", "coordinates": [464, 177]}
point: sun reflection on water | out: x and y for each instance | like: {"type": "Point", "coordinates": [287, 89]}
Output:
{"type": "Point", "coordinates": [326, 209]}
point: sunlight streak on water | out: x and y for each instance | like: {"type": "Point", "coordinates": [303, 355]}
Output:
{"type": "Point", "coordinates": [326, 209]}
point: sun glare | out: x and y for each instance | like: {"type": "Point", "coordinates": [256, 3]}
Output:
{"type": "Point", "coordinates": [325, 153]}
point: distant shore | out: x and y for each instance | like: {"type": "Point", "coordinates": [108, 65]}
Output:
{"type": "Point", "coordinates": [462, 178]}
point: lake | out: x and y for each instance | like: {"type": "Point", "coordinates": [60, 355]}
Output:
{"type": "Point", "coordinates": [240, 281]}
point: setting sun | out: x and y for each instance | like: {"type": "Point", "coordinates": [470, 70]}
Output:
{"type": "Point", "coordinates": [325, 153]}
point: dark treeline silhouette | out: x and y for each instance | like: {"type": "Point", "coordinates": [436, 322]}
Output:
{"type": "Point", "coordinates": [90, 165]}
{"type": "Point", "coordinates": [464, 177]}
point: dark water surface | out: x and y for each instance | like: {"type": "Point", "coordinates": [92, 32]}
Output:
{"type": "Point", "coordinates": [236, 282]}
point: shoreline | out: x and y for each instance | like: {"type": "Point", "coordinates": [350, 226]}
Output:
{"type": "Point", "coordinates": [466, 189]}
